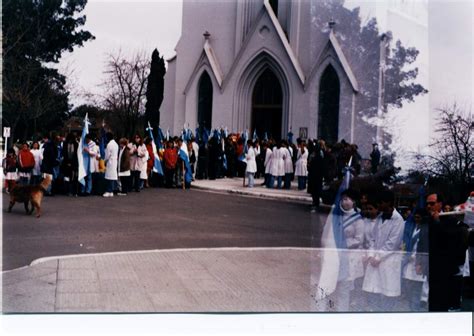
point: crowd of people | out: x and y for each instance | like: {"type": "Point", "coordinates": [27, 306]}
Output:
{"type": "Point", "coordinates": [130, 162]}
{"type": "Point", "coordinates": [386, 259]}
{"type": "Point", "coordinates": [389, 258]}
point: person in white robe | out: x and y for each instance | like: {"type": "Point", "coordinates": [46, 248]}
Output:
{"type": "Point", "coordinates": [382, 280]}
{"type": "Point", "coordinates": [268, 164]}
{"type": "Point", "coordinates": [277, 168]}
{"type": "Point", "coordinates": [301, 166]}
{"type": "Point", "coordinates": [111, 163]}
{"type": "Point", "coordinates": [287, 158]}
{"type": "Point", "coordinates": [251, 167]}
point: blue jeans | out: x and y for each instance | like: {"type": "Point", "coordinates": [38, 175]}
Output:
{"type": "Point", "coordinates": [87, 188]}
{"type": "Point", "coordinates": [381, 303]}
{"type": "Point", "coordinates": [110, 185]}
{"type": "Point", "coordinates": [279, 180]}
{"type": "Point", "coordinates": [301, 182]}
{"type": "Point", "coordinates": [250, 177]}
{"type": "Point", "coordinates": [412, 292]}
{"type": "Point", "coordinates": [270, 181]}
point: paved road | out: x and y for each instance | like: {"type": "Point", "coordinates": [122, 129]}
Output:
{"type": "Point", "coordinates": [154, 219]}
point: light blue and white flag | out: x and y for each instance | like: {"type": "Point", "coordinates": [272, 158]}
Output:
{"type": "Point", "coordinates": [157, 168]}
{"type": "Point", "coordinates": [183, 155]}
{"type": "Point", "coordinates": [334, 254]}
{"type": "Point", "coordinates": [83, 157]}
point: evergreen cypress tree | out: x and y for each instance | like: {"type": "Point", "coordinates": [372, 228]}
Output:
{"type": "Point", "coordinates": [155, 88]}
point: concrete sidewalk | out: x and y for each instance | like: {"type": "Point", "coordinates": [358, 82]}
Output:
{"type": "Point", "coordinates": [235, 186]}
{"type": "Point", "coordinates": [180, 280]}
{"type": "Point", "coordinates": [198, 280]}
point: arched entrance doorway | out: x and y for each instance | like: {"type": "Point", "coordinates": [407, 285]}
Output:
{"type": "Point", "coordinates": [205, 101]}
{"type": "Point", "coordinates": [267, 101]}
{"type": "Point", "coordinates": [328, 114]}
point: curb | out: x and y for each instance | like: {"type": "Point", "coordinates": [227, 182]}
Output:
{"type": "Point", "coordinates": [296, 199]}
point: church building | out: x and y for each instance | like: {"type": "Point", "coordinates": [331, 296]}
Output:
{"type": "Point", "coordinates": [258, 65]}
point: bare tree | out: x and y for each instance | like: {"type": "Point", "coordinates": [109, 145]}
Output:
{"type": "Point", "coordinates": [125, 87]}
{"type": "Point", "coordinates": [452, 152]}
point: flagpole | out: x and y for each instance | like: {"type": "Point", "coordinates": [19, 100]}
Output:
{"type": "Point", "coordinates": [184, 176]}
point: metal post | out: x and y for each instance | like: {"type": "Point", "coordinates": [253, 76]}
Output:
{"type": "Point", "coordinates": [184, 176]}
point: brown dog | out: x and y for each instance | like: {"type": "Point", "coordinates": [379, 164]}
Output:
{"type": "Point", "coordinates": [29, 193]}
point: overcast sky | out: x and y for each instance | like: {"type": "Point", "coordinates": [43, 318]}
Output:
{"type": "Point", "coordinates": [444, 38]}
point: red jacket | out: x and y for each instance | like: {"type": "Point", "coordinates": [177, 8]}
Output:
{"type": "Point", "coordinates": [170, 157]}
{"type": "Point", "coordinates": [26, 159]}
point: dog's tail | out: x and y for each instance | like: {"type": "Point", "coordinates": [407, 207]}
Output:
{"type": "Point", "coordinates": [45, 183]}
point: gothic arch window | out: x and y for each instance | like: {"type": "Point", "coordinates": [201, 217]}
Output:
{"type": "Point", "coordinates": [205, 101]}
{"type": "Point", "coordinates": [328, 112]}
{"type": "Point", "coordinates": [267, 101]}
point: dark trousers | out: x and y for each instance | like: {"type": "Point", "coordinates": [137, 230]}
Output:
{"type": "Point", "coordinates": [126, 182]}
{"type": "Point", "coordinates": [317, 187]}
{"type": "Point", "coordinates": [136, 180]}
{"type": "Point", "coordinates": [301, 182]}
{"type": "Point", "coordinates": [169, 177]}
{"type": "Point", "coordinates": [35, 179]}
{"type": "Point", "coordinates": [445, 293]}
{"type": "Point", "coordinates": [110, 185]}
{"type": "Point", "coordinates": [287, 184]}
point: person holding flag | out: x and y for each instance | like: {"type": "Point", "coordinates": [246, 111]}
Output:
{"type": "Point", "coordinates": [156, 167]}
{"type": "Point", "coordinates": [341, 259]}
{"type": "Point", "coordinates": [183, 156]}
{"type": "Point", "coordinates": [85, 152]}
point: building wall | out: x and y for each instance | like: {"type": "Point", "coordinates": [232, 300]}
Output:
{"type": "Point", "coordinates": [243, 52]}
{"type": "Point", "coordinates": [167, 107]}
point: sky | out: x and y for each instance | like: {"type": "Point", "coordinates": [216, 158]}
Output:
{"type": "Point", "coordinates": [442, 30]}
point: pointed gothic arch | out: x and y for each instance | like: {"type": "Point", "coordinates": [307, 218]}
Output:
{"type": "Point", "coordinates": [262, 62]}
{"type": "Point", "coordinates": [204, 108]}
{"type": "Point", "coordinates": [267, 105]}
{"type": "Point", "coordinates": [328, 105]}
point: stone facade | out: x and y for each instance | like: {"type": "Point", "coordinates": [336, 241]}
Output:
{"type": "Point", "coordinates": [235, 42]}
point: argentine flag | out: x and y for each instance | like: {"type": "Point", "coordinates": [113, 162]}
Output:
{"type": "Point", "coordinates": [183, 155]}
{"type": "Point", "coordinates": [82, 157]}
{"type": "Point", "coordinates": [334, 253]}
{"type": "Point", "coordinates": [157, 168]}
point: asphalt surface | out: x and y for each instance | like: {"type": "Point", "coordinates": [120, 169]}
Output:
{"type": "Point", "coordinates": [154, 219]}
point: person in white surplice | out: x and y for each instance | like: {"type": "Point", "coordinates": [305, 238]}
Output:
{"type": "Point", "coordinates": [382, 280]}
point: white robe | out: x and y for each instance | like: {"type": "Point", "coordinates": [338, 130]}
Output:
{"type": "Point", "coordinates": [268, 160]}
{"type": "Point", "coordinates": [138, 158]}
{"type": "Point", "coordinates": [251, 162]}
{"type": "Point", "coordinates": [111, 160]}
{"type": "Point", "coordinates": [386, 246]}
{"type": "Point", "coordinates": [278, 164]}
{"type": "Point", "coordinates": [301, 168]}
{"type": "Point", "coordinates": [288, 160]}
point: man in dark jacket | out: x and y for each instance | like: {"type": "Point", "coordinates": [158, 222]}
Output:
{"type": "Point", "coordinates": [375, 158]}
{"type": "Point", "coordinates": [316, 171]}
{"type": "Point", "coordinates": [446, 241]}
{"type": "Point", "coordinates": [50, 156]}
